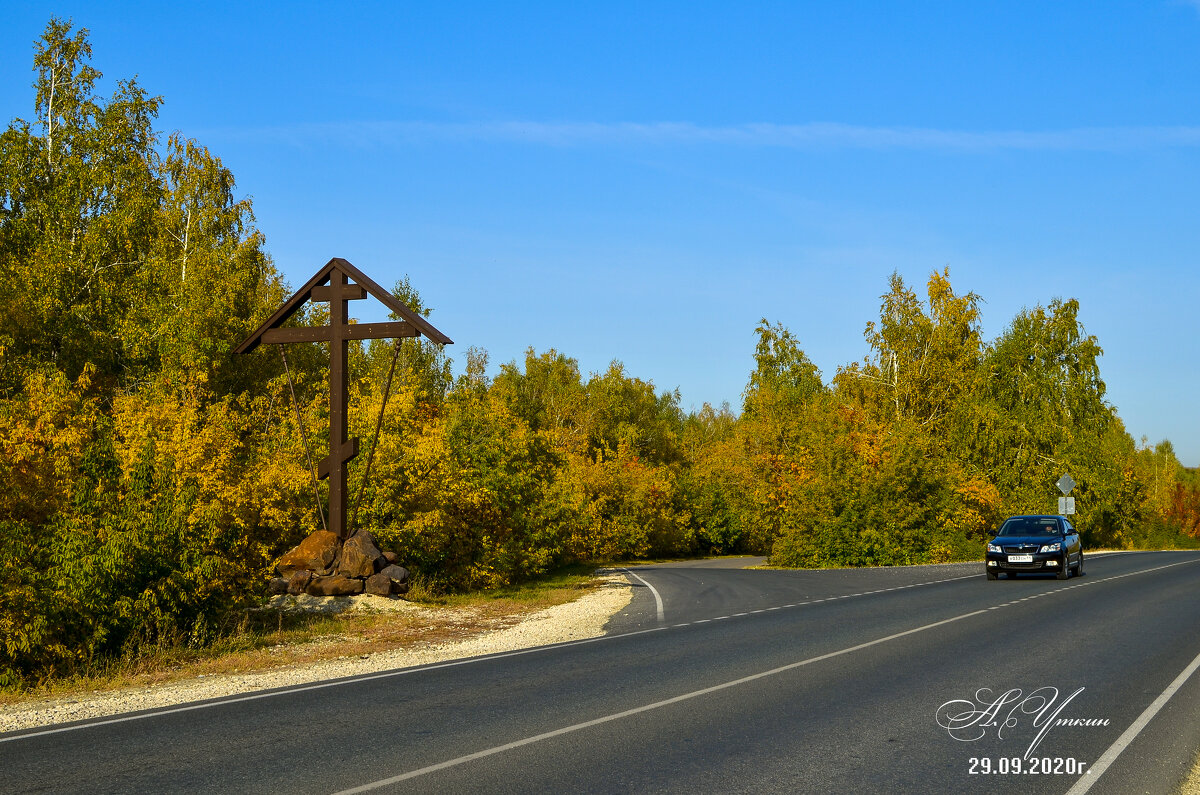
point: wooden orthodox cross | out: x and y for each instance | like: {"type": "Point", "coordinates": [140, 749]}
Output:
{"type": "Point", "coordinates": [333, 284]}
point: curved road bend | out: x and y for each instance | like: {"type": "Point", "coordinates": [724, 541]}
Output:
{"type": "Point", "coordinates": [753, 681]}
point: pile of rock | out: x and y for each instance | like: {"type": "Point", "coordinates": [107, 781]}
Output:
{"type": "Point", "coordinates": [322, 565]}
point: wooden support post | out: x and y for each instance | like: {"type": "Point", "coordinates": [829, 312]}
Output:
{"type": "Point", "coordinates": [340, 449]}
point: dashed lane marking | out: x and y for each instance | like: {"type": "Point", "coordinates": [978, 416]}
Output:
{"type": "Point", "coordinates": [1149, 713]}
{"type": "Point", "coordinates": [475, 660]}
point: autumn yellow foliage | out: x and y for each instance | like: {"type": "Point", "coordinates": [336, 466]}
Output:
{"type": "Point", "coordinates": [152, 478]}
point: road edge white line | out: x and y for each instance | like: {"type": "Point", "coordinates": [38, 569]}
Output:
{"type": "Point", "coordinates": [374, 785]}
{"type": "Point", "coordinates": [321, 685]}
{"type": "Point", "coordinates": [1109, 756]}
{"type": "Point", "coordinates": [658, 602]}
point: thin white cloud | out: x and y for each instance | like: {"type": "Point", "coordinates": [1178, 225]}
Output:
{"type": "Point", "coordinates": [790, 136]}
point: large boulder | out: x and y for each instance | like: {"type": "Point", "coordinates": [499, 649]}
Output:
{"type": "Point", "coordinates": [359, 554]}
{"type": "Point", "coordinates": [379, 585]}
{"type": "Point", "coordinates": [298, 583]}
{"type": "Point", "coordinates": [334, 586]}
{"type": "Point", "coordinates": [315, 553]}
{"type": "Point", "coordinates": [397, 574]}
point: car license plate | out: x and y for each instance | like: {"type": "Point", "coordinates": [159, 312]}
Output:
{"type": "Point", "coordinates": [1020, 558]}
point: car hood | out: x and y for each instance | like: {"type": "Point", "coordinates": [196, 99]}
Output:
{"type": "Point", "coordinates": [1009, 541]}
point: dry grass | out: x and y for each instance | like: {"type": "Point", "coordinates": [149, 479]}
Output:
{"type": "Point", "coordinates": [269, 639]}
{"type": "Point", "coordinates": [1191, 785]}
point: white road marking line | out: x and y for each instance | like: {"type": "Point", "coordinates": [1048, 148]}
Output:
{"type": "Point", "coordinates": [658, 602]}
{"type": "Point", "coordinates": [1150, 711]}
{"type": "Point", "coordinates": [1130, 734]}
{"type": "Point", "coordinates": [645, 708]}
{"type": "Point", "coordinates": [285, 691]}
{"type": "Point", "coordinates": [463, 661]}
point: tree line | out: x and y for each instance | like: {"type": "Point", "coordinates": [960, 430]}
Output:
{"type": "Point", "coordinates": [152, 478]}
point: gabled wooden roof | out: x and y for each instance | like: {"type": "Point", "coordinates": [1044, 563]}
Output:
{"type": "Point", "coordinates": [419, 324]}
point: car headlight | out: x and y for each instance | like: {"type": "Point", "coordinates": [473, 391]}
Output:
{"type": "Point", "coordinates": [994, 548]}
{"type": "Point", "coordinates": [1055, 547]}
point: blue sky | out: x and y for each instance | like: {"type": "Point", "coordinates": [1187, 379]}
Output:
{"type": "Point", "coordinates": [645, 181]}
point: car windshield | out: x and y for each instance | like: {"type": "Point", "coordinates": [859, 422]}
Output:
{"type": "Point", "coordinates": [1030, 526]}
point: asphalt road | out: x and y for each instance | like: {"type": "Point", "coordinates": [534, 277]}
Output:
{"type": "Point", "coordinates": [883, 680]}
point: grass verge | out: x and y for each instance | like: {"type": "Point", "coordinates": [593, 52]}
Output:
{"type": "Point", "coordinates": [269, 638]}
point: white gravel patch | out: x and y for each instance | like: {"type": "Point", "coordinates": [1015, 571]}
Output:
{"type": "Point", "coordinates": [583, 618]}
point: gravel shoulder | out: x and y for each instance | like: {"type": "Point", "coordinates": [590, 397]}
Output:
{"type": "Point", "coordinates": [583, 618]}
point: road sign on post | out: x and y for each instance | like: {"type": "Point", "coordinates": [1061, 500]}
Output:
{"type": "Point", "coordinates": [1066, 505]}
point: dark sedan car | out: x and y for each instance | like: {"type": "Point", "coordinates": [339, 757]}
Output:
{"type": "Point", "coordinates": [1036, 544]}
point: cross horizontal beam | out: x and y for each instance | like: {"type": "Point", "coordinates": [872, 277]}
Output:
{"type": "Point", "coordinates": [354, 331]}
{"type": "Point", "coordinates": [339, 292]}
